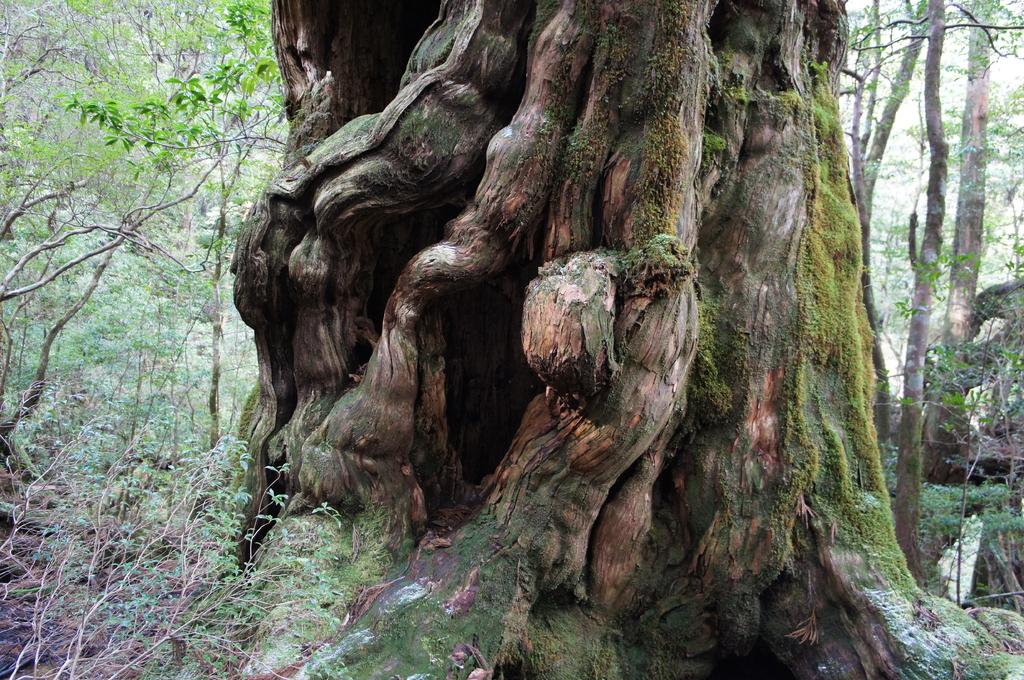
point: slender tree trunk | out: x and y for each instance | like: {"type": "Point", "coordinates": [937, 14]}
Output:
{"type": "Point", "coordinates": [217, 323]}
{"type": "Point", "coordinates": [137, 403]}
{"type": "Point", "coordinates": [683, 478]}
{"type": "Point", "coordinates": [868, 150]}
{"type": "Point", "coordinates": [970, 211]}
{"type": "Point", "coordinates": [5, 369]}
{"type": "Point", "coordinates": [947, 430]}
{"type": "Point", "coordinates": [907, 508]}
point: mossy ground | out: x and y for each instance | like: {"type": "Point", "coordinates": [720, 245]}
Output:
{"type": "Point", "coordinates": [940, 640]}
{"type": "Point", "coordinates": [413, 628]}
{"type": "Point", "coordinates": [323, 561]}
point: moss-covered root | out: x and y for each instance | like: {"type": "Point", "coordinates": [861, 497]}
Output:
{"type": "Point", "coordinates": [835, 617]}
{"type": "Point", "coordinates": [448, 612]}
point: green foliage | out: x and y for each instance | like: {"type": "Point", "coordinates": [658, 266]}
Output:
{"type": "Point", "coordinates": [152, 126]}
{"type": "Point", "coordinates": [160, 155]}
{"type": "Point", "coordinates": [140, 551]}
{"type": "Point", "coordinates": [325, 559]}
{"type": "Point", "coordinates": [737, 93]}
{"type": "Point", "coordinates": [998, 505]}
{"type": "Point", "coordinates": [195, 110]}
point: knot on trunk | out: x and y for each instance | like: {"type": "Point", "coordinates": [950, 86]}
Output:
{"type": "Point", "coordinates": [569, 324]}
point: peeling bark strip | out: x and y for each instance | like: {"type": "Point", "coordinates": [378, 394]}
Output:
{"type": "Point", "coordinates": [692, 477]}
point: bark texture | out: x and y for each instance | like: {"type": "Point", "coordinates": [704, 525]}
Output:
{"type": "Point", "coordinates": [970, 208]}
{"type": "Point", "coordinates": [217, 323]}
{"type": "Point", "coordinates": [651, 476]}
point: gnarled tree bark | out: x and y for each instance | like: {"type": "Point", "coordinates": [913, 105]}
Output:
{"type": "Point", "coordinates": [665, 475]}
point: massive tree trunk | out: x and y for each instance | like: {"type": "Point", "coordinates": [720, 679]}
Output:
{"type": "Point", "coordinates": [484, 352]}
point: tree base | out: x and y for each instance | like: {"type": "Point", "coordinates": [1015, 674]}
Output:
{"type": "Point", "coordinates": [473, 605]}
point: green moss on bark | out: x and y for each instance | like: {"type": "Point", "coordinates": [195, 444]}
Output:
{"type": "Point", "coordinates": [791, 101]}
{"type": "Point", "coordinates": [712, 146]}
{"type": "Point", "coordinates": [545, 12]}
{"type": "Point", "coordinates": [664, 152]}
{"type": "Point", "coordinates": [664, 148]}
{"type": "Point", "coordinates": [245, 419]}
{"type": "Point", "coordinates": [842, 474]}
{"type": "Point", "coordinates": [737, 93]}
{"type": "Point", "coordinates": [658, 266]}
{"type": "Point", "coordinates": [419, 127]}
{"type": "Point", "coordinates": [566, 644]}
{"type": "Point", "coordinates": [719, 367]}
{"type": "Point", "coordinates": [586, 148]}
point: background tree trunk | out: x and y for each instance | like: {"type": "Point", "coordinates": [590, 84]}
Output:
{"type": "Point", "coordinates": [907, 509]}
{"type": "Point", "coordinates": [869, 141]}
{"type": "Point", "coordinates": [970, 209]}
{"type": "Point", "coordinates": [647, 480]}
{"type": "Point", "coordinates": [217, 319]}
{"type": "Point", "coordinates": [947, 430]}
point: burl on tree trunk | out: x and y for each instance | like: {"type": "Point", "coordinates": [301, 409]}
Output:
{"type": "Point", "coordinates": [564, 369]}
